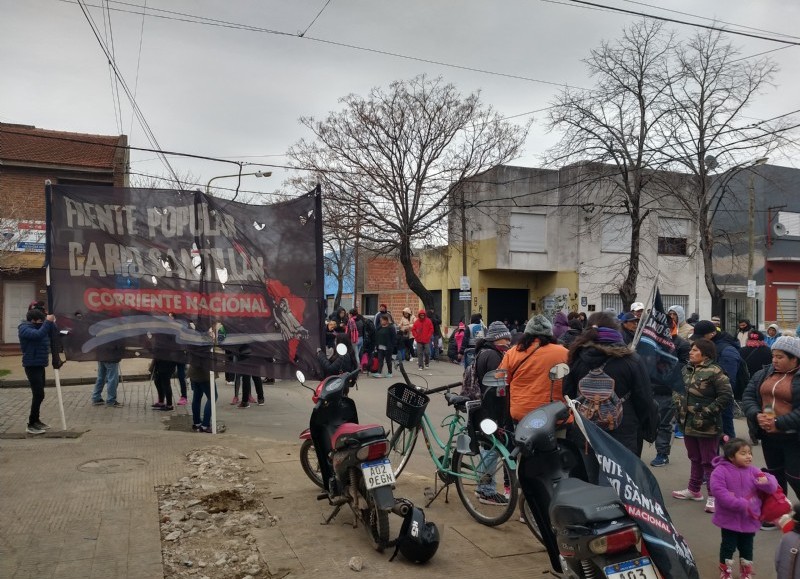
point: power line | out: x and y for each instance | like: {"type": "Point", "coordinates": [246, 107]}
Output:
{"type": "Point", "coordinates": [138, 60]}
{"type": "Point", "coordinates": [315, 19]}
{"type": "Point", "coordinates": [685, 23]}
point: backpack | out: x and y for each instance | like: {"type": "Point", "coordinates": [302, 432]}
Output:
{"type": "Point", "coordinates": [369, 329]}
{"type": "Point", "coordinates": [475, 331]}
{"type": "Point", "coordinates": [597, 400]}
{"type": "Point", "coordinates": [470, 384]}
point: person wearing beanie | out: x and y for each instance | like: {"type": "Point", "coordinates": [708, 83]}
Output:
{"type": "Point", "coordinates": [756, 354]}
{"type": "Point", "coordinates": [405, 341]}
{"type": "Point", "coordinates": [773, 331]}
{"type": "Point", "coordinates": [489, 352]}
{"type": "Point", "coordinates": [601, 344]}
{"type": "Point", "coordinates": [771, 403]}
{"type": "Point", "coordinates": [786, 564]}
{"type": "Point", "coordinates": [422, 330]}
{"type": "Point", "coordinates": [528, 365]}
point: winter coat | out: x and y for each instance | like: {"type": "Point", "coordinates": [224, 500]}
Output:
{"type": "Point", "coordinates": [756, 358]}
{"type": "Point", "coordinates": [786, 555]}
{"type": "Point", "coordinates": [753, 405]}
{"type": "Point", "coordinates": [769, 340]}
{"type": "Point", "coordinates": [34, 341]}
{"type": "Point", "coordinates": [560, 325]}
{"type": "Point", "coordinates": [672, 382]}
{"type": "Point", "coordinates": [684, 329]}
{"type": "Point", "coordinates": [336, 364]}
{"type": "Point", "coordinates": [454, 343]}
{"type": "Point", "coordinates": [631, 382]}
{"type": "Point", "coordinates": [569, 337]}
{"type": "Point", "coordinates": [737, 506]}
{"type": "Point", "coordinates": [404, 326]}
{"type": "Point", "coordinates": [385, 337]}
{"type": "Point", "coordinates": [340, 317]}
{"type": "Point", "coordinates": [422, 330]}
{"type": "Point", "coordinates": [728, 356]}
{"type": "Point", "coordinates": [487, 359]}
{"type": "Point", "coordinates": [699, 408]}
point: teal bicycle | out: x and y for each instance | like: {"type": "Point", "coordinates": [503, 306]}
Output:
{"type": "Point", "coordinates": [475, 461]}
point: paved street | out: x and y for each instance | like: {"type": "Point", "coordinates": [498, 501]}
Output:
{"type": "Point", "coordinates": [71, 519]}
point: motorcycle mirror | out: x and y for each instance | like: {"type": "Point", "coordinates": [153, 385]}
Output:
{"type": "Point", "coordinates": [558, 371]}
{"type": "Point", "coordinates": [300, 376]}
{"type": "Point", "coordinates": [488, 426]}
{"type": "Point", "coordinates": [341, 349]}
{"type": "Point", "coordinates": [494, 379]}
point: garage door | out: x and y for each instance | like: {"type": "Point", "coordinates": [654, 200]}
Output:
{"type": "Point", "coordinates": [18, 294]}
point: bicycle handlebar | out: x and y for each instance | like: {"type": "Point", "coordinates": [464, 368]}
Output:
{"type": "Point", "coordinates": [442, 388]}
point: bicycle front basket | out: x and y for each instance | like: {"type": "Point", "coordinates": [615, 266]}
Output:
{"type": "Point", "coordinates": [405, 405]}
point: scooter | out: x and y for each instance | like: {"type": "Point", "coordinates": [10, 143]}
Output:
{"type": "Point", "coordinates": [352, 463]}
{"type": "Point", "coordinates": [584, 527]}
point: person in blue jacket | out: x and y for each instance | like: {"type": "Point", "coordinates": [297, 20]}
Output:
{"type": "Point", "coordinates": [34, 340]}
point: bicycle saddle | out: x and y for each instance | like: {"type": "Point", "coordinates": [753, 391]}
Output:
{"type": "Point", "coordinates": [456, 400]}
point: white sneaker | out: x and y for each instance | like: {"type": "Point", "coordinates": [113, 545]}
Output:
{"type": "Point", "coordinates": [34, 430]}
{"type": "Point", "coordinates": [710, 505]}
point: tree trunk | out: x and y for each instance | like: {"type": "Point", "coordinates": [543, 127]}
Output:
{"type": "Point", "coordinates": [707, 249]}
{"type": "Point", "coordinates": [337, 299]}
{"type": "Point", "coordinates": [412, 279]}
{"type": "Point", "coordinates": [627, 290]}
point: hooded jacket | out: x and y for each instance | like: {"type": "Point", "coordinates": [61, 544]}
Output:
{"type": "Point", "coordinates": [684, 329]}
{"type": "Point", "coordinates": [455, 341]}
{"type": "Point", "coordinates": [560, 325]}
{"type": "Point", "coordinates": [422, 330]}
{"type": "Point", "coordinates": [708, 392]}
{"type": "Point", "coordinates": [34, 341]}
{"type": "Point", "coordinates": [769, 340]}
{"type": "Point", "coordinates": [727, 354]}
{"type": "Point", "coordinates": [737, 506]}
{"type": "Point", "coordinates": [631, 381]}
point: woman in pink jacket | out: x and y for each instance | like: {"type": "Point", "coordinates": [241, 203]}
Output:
{"type": "Point", "coordinates": [422, 330]}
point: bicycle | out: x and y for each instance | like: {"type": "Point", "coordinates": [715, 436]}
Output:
{"type": "Point", "coordinates": [469, 458]}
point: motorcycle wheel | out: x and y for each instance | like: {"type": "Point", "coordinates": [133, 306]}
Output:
{"type": "Point", "coordinates": [470, 473]}
{"type": "Point", "coordinates": [527, 516]}
{"type": "Point", "coordinates": [375, 521]}
{"type": "Point", "coordinates": [310, 464]}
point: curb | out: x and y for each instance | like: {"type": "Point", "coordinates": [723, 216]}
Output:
{"type": "Point", "coordinates": [18, 383]}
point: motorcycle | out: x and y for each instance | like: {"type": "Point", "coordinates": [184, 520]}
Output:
{"type": "Point", "coordinates": [353, 468]}
{"type": "Point", "coordinates": [584, 527]}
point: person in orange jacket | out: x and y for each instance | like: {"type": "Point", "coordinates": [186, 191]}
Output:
{"type": "Point", "coordinates": [422, 330]}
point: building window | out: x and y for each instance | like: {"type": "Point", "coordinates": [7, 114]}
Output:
{"type": "Point", "coordinates": [612, 301]}
{"type": "Point", "coordinates": [616, 236]}
{"type": "Point", "coordinates": [528, 233]}
{"type": "Point", "coordinates": [791, 221]}
{"type": "Point", "coordinates": [668, 301]}
{"type": "Point", "coordinates": [787, 307]}
{"type": "Point", "coordinates": [672, 234]}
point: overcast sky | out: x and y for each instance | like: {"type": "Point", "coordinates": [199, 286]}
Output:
{"type": "Point", "coordinates": [221, 91]}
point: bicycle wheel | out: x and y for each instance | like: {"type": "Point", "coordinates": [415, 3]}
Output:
{"type": "Point", "coordinates": [488, 469]}
{"type": "Point", "coordinates": [310, 464]}
{"type": "Point", "coordinates": [401, 444]}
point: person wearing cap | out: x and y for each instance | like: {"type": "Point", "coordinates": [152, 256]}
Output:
{"type": "Point", "coordinates": [601, 344]}
{"type": "Point", "coordinates": [405, 342]}
{"type": "Point", "coordinates": [489, 352]}
{"type": "Point", "coordinates": [637, 309]}
{"type": "Point", "coordinates": [528, 366]}
{"type": "Point", "coordinates": [422, 330]}
{"type": "Point", "coordinates": [773, 331]}
{"type": "Point", "coordinates": [629, 324]}
{"type": "Point", "coordinates": [728, 358]}
{"type": "Point", "coordinates": [771, 403]}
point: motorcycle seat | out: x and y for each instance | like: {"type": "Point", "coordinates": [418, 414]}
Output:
{"type": "Point", "coordinates": [350, 433]}
{"type": "Point", "coordinates": [577, 502]}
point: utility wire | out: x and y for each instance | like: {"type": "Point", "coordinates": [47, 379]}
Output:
{"type": "Point", "coordinates": [107, 16]}
{"type": "Point", "coordinates": [138, 60]}
{"type": "Point", "coordinates": [302, 34]}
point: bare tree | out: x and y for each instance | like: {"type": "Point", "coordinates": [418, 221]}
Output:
{"type": "Point", "coordinates": [707, 129]}
{"type": "Point", "coordinates": [615, 127]}
{"type": "Point", "coordinates": [396, 155]}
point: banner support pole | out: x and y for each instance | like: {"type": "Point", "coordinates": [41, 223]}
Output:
{"type": "Point", "coordinates": [53, 347]}
{"type": "Point", "coordinates": [212, 383]}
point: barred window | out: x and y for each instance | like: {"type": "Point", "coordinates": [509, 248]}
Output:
{"type": "Point", "coordinates": [669, 300]}
{"type": "Point", "coordinates": [611, 301]}
{"type": "Point", "coordinates": [672, 234]}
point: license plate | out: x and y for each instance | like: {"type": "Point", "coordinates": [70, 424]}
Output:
{"type": "Point", "coordinates": [640, 568]}
{"type": "Point", "coordinates": [378, 473]}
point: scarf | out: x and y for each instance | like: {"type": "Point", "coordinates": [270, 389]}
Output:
{"type": "Point", "coordinates": [755, 343]}
{"type": "Point", "coordinates": [608, 336]}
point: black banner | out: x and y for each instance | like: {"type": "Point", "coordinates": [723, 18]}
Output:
{"type": "Point", "coordinates": [657, 349]}
{"type": "Point", "coordinates": [639, 491]}
{"type": "Point", "coordinates": [173, 275]}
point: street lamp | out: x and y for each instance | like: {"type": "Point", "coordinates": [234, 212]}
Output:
{"type": "Point", "coordinates": [256, 174]}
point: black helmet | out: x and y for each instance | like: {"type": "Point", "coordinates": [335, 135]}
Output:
{"type": "Point", "coordinates": [418, 540]}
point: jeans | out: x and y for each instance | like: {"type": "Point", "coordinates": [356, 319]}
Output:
{"type": "Point", "coordinates": [199, 389]}
{"type": "Point", "coordinates": [666, 419]}
{"type": "Point", "coordinates": [486, 469]}
{"type": "Point", "coordinates": [700, 451]}
{"type": "Point", "coordinates": [423, 354]}
{"type": "Point", "coordinates": [35, 376]}
{"type": "Point", "coordinates": [181, 371]}
{"type": "Point", "coordinates": [107, 372]}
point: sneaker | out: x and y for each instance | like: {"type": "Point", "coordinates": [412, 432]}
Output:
{"type": "Point", "coordinates": [427, 366]}
{"type": "Point", "coordinates": [507, 492]}
{"type": "Point", "coordinates": [41, 425]}
{"type": "Point", "coordinates": [182, 401]}
{"type": "Point", "coordinates": [205, 429]}
{"type": "Point", "coordinates": [678, 433]}
{"type": "Point", "coordinates": [261, 402]}
{"type": "Point", "coordinates": [157, 405]}
{"type": "Point", "coordinates": [422, 367]}
{"type": "Point", "coordinates": [197, 427]}
{"type": "Point", "coordinates": [660, 460]}
{"type": "Point", "coordinates": [687, 495]}
{"type": "Point", "coordinates": [389, 375]}
{"type": "Point", "coordinates": [229, 383]}
{"type": "Point", "coordinates": [252, 400]}
{"type": "Point", "coordinates": [167, 408]}
{"type": "Point", "coordinates": [768, 527]}
{"type": "Point", "coordinates": [376, 375]}
{"type": "Point", "coordinates": [235, 400]}
{"type": "Point", "coordinates": [115, 404]}
{"type": "Point", "coordinates": [492, 499]}
{"type": "Point", "coordinates": [33, 429]}
{"type": "Point", "coordinates": [709, 505]}
{"type": "Point", "coordinates": [269, 380]}
{"type": "Point", "coordinates": [244, 405]}
{"type": "Point", "coordinates": [98, 402]}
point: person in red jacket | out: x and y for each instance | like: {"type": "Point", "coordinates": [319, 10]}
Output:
{"type": "Point", "coordinates": [422, 330]}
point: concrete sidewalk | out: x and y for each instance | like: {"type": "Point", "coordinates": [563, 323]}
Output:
{"type": "Point", "coordinates": [87, 506]}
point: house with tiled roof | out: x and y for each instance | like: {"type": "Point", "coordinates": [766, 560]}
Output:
{"type": "Point", "coordinates": [29, 157]}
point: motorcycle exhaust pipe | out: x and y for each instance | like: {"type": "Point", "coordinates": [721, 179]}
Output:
{"type": "Point", "coordinates": [402, 508]}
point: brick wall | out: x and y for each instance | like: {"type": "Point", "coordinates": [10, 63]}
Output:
{"type": "Point", "coordinates": [384, 276]}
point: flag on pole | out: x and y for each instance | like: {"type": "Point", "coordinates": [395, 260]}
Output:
{"type": "Point", "coordinates": [656, 348]}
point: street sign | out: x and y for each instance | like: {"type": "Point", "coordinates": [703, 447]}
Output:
{"type": "Point", "coordinates": [464, 296]}
{"type": "Point", "coordinates": [465, 283]}
{"type": "Point", "coordinates": [751, 288]}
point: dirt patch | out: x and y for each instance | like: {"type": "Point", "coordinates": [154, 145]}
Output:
{"type": "Point", "coordinates": [228, 500]}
